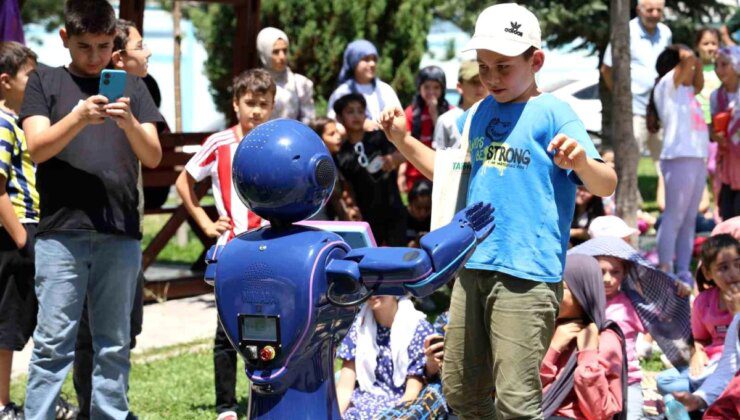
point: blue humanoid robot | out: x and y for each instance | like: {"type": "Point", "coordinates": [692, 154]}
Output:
{"type": "Point", "coordinates": [287, 294]}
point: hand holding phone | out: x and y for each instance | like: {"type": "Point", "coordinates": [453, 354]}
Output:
{"type": "Point", "coordinates": [92, 110]}
{"type": "Point", "coordinates": [112, 84]}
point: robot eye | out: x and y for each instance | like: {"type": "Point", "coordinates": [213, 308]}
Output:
{"type": "Point", "coordinates": [325, 173]}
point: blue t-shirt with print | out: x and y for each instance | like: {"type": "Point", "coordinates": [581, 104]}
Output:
{"type": "Point", "coordinates": [534, 199]}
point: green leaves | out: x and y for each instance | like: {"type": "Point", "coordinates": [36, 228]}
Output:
{"type": "Point", "coordinates": [319, 32]}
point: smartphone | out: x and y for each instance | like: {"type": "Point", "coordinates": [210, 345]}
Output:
{"type": "Point", "coordinates": [112, 84]}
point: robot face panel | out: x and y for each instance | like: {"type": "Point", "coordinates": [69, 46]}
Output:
{"type": "Point", "coordinates": [283, 172]}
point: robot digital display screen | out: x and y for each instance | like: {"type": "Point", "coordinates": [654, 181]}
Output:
{"type": "Point", "coordinates": [258, 328]}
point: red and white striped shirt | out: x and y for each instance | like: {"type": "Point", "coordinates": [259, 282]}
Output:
{"type": "Point", "coordinates": [214, 160]}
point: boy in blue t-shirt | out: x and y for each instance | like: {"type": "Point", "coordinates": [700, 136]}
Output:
{"type": "Point", "coordinates": [528, 152]}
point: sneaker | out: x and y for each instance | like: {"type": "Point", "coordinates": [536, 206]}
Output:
{"type": "Point", "coordinates": [11, 412]}
{"type": "Point", "coordinates": [65, 410]}
{"type": "Point", "coordinates": [228, 415]}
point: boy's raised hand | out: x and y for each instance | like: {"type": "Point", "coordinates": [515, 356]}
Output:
{"type": "Point", "coordinates": [568, 153]}
{"type": "Point", "coordinates": [393, 123]}
{"type": "Point", "coordinates": [92, 110]}
{"type": "Point", "coordinates": [120, 111]}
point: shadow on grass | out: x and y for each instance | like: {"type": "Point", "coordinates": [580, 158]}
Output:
{"type": "Point", "coordinates": [242, 407]}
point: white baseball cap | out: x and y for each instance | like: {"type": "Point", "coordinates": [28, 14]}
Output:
{"type": "Point", "coordinates": [508, 29]}
{"type": "Point", "coordinates": [610, 226]}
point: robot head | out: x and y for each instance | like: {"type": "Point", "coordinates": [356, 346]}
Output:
{"type": "Point", "coordinates": [283, 172]}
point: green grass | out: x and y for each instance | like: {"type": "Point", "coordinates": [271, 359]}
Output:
{"type": "Point", "coordinates": [647, 183]}
{"type": "Point", "coordinates": [173, 252]}
{"type": "Point", "coordinates": [175, 387]}
{"type": "Point", "coordinates": [652, 364]}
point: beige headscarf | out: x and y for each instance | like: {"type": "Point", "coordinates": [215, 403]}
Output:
{"type": "Point", "coordinates": [266, 40]}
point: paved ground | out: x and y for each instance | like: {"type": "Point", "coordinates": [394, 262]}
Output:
{"type": "Point", "coordinates": [165, 324]}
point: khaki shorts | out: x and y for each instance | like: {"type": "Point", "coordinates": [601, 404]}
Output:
{"type": "Point", "coordinates": [500, 327]}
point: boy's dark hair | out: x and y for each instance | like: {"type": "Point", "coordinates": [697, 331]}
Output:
{"type": "Point", "coordinates": [422, 187]}
{"type": "Point", "coordinates": [529, 53]}
{"type": "Point", "coordinates": [318, 124]}
{"type": "Point", "coordinates": [123, 30]}
{"type": "Point", "coordinates": [253, 80]}
{"type": "Point", "coordinates": [347, 99]}
{"type": "Point", "coordinates": [89, 17]}
{"type": "Point", "coordinates": [13, 56]}
{"type": "Point", "coordinates": [667, 61]}
{"type": "Point", "coordinates": [709, 251]}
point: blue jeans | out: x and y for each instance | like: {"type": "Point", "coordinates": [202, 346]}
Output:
{"type": "Point", "coordinates": [675, 380]}
{"type": "Point", "coordinates": [69, 266]}
{"type": "Point", "coordinates": [634, 402]}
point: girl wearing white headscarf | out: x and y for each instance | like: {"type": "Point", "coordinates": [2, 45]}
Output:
{"type": "Point", "coordinates": [294, 96]}
{"type": "Point", "coordinates": [384, 353]}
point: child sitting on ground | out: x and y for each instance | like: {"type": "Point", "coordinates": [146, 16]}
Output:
{"type": "Point", "coordinates": [726, 269]}
{"type": "Point", "coordinates": [619, 309]}
{"type": "Point", "coordinates": [383, 354]}
{"type": "Point", "coordinates": [583, 374]}
{"type": "Point", "coordinates": [640, 298]}
{"type": "Point", "coordinates": [710, 319]}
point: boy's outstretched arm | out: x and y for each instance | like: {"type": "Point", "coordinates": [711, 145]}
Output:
{"type": "Point", "coordinates": [393, 123]}
{"type": "Point", "coordinates": [598, 177]}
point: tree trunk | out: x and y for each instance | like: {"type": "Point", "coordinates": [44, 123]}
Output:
{"type": "Point", "coordinates": [626, 152]}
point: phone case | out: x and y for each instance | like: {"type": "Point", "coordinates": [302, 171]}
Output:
{"type": "Point", "coordinates": [112, 84]}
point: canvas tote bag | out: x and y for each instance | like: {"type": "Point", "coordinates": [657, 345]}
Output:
{"type": "Point", "coordinates": [451, 177]}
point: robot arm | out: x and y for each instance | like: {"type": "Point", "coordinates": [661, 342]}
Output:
{"type": "Point", "coordinates": [397, 271]}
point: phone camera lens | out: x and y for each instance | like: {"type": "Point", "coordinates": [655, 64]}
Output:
{"type": "Point", "coordinates": [106, 82]}
{"type": "Point", "coordinates": [107, 75]}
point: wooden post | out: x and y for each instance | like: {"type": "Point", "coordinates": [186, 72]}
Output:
{"type": "Point", "coordinates": [182, 233]}
{"type": "Point", "coordinates": [245, 37]}
{"type": "Point", "coordinates": [626, 152]}
{"type": "Point", "coordinates": [133, 10]}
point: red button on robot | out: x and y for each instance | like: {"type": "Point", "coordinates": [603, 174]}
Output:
{"type": "Point", "coordinates": [267, 353]}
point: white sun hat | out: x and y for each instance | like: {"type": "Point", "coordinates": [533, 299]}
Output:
{"type": "Point", "coordinates": [508, 29]}
{"type": "Point", "coordinates": [610, 226]}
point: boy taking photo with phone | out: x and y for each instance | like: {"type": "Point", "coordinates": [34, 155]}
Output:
{"type": "Point", "coordinates": [87, 150]}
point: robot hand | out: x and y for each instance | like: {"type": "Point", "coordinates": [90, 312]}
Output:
{"type": "Point", "coordinates": [397, 271]}
{"type": "Point", "coordinates": [479, 217]}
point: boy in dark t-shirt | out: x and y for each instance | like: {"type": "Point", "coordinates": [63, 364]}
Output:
{"type": "Point", "coordinates": [370, 162]}
{"type": "Point", "coordinates": [87, 151]}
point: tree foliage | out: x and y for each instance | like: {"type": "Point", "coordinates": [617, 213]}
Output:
{"type": "Point", "coordinates": [586, 22]}
{"type": "Point", "coordinates": [319, 32]}
{"type": "Point", "coordinates": [49, 12]}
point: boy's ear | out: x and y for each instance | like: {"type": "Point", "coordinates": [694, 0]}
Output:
{"type": "Point", "coordinates": [235, 104]}
{"type": "Point", "coordinates": [64, 36]}
{"type": "Point", "coordinates": [538, 60]}
{"type": "Point", "coordinates": [117, 59]}
{"type": "Point", "coordinates": [5, 81]}
{"type": "Point", "coordinates": [459, 88]}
